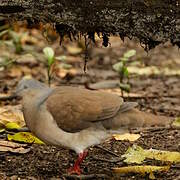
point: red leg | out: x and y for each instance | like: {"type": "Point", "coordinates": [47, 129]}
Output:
{"type": "Point", "coordinates": [76, 168]}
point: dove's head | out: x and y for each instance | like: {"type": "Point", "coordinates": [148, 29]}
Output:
{"type": "Point", "coordinates": [26, 85]}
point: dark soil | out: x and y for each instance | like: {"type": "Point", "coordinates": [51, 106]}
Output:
{"type": "Point", "coordinates": [161, 95]}
{"type": "Point", "coordinates": [46, 162]}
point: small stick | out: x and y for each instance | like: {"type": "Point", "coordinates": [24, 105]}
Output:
{"type": "Point", "coordinates": [89, 176]}
{"type": "Point", "coordinates": [108, 160]}
{"type": "Point", "coordinates": [106, 150]}
{"type": "Point", "coordinates": [152, 129]}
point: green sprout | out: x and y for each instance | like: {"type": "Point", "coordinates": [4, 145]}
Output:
{"type": "Point", "coordinates": [121, 68]}
{"type": "Point", "coordinates": [49, 54]}
{"type": "Point", "coordinates": [15, 39]}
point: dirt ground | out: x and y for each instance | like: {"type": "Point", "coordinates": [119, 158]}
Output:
{"type": "Point", "coordinates": [156, 93]}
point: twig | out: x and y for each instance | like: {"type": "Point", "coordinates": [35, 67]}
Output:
{"type": "Point", "coordinates": [152, 129]}
{"type": "Point", "coordinates": [108, 160]}
{"type": "Point", "coordinates": [89, 176]}
{"type": "Point", "coordinates": [176, 166]}
{"type": "Point", "coordinates": [86, 57]}
{"type": "Point", "coordinates": [106, 150]}
{"type": "Point", "coordinates": [23, 129]}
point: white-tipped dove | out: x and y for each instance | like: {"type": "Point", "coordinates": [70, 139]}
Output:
{"type": "Point", "coordinates": [77, 118]}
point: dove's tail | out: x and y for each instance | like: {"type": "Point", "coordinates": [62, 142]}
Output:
{"type": "Point", "coordinates": [134, 118]}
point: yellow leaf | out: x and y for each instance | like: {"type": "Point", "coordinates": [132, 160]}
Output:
{"type": "Point", "coordinates": [126, 136]}
{"type": "Point", "coordinates": [136, 154]}
{"type": "Point", "coordinates": [141, 169]}
{"type": "Point", "coordinates": [25, 137]}
{"type": "Point", "coordinates": [12, 125]}
{"type": "Point", "coordinates": [176, 122]}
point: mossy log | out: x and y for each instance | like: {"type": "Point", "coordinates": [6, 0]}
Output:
{"type": "Point", "coordinates": [151, 21]}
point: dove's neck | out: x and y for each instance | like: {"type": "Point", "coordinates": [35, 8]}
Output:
{"type": "Point", "coordinates": [32, 101]}
{"type": "Point", "coordinates": [43, 95]}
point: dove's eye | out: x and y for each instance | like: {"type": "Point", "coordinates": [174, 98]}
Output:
{"type": "Point", "coordinates": [25, 87]}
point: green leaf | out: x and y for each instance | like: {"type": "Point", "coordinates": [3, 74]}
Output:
{"type": "Point", "coordinates": [25, 137]}
{"type": "Point", "coordinates": [49, 54]}
{"type": "Point", "coordinates": [65, 66]}
{"type": "Point", "coordinates": [118, 67]}
{"type": "Point", "coordinates": [16, 38]}
{"type": "Point", "coordinates": [124, 59]}
{"type": "Point", "coordinates": [129, 54]}
{"type": "Point", "coordinates": [125, 71]}
{"type": "Point", "coordinates": [61, 58]}
{"type": "Point", "coordinates": [125, 87]}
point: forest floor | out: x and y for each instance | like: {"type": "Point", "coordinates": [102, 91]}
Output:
{"type": "Point", "coordinates": [155, 85]}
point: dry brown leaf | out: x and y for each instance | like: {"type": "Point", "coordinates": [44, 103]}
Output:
{"type": "Point", "coordinates": [15, 72]}
{"type": "Point", "coordinates": [26, 59]}
{"type": "Point", "coordinates": [73, 50]}
{"type": "Point", "coordinates": [126, 136]}
{"type": "Point", "coordinates": [11, 114]}
{"type": "Point", "coordinates": [108, 84]}
{"type": "Point", "coordinates": [3, 95]}
{"type": "Point", "coordinates": [11, 144]}
{"type": "Point", "coordinates": [63, 72]}
{"type": "Point", "coordinates": [6, 146]}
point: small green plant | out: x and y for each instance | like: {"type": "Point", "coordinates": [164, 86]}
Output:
{"type": "Point", "coordinates": [121, 68]}
{"type": "Point", "coordinates": [6, 61]}
{"type": "Point", "coordinates": [14, 39]}
{"type": "Point", "coordinates": [49, 54]}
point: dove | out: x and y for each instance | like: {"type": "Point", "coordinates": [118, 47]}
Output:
{"type": "Point", "coordinates": [77, 118]}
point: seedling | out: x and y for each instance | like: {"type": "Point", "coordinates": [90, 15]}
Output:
{"type": "Point", "coordinates": [49, 54]}
{"type": "Point", "coordinates": [15, 39]}
{"type": "Point", "coordinates": [121, 68]}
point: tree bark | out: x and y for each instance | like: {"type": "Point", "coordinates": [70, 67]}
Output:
{"type": "Point", "coordinates": [151, 21]}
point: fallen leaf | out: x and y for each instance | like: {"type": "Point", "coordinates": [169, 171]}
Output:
{"type": "Point", "coordinates": [150, 70]}
{"type": "Point", "coordinates": [142, 170]}
{"type": "Point", "coordinates": [104, 84]}
{"type": "Point", "coordinates": [176, 122]}
{"type": "Point", "coordinates": [126, 136]}
{"type": "Point", "coordinates": [15, 72]}
{"type": "Point", "coordinates": [62, 73]}
{"type": "Point", "coordinates": [26, 59]}
{"type": "Point", "coordinates": [12, 126]}
{"type": "Point", "coordinates": [25, 137]}
{"type": "Point", "coordinates": [136, 154]}
{"type": "Point", "coordinates": [11, 144]}
{"type": "Point", "coordinates": [2, 129]}
{"type": "Point", "coordinates": [6, 146]}
{"type": "Point", "coordinates": [74, 50]}
{"type": "Point", "coordinates": [11, 114]}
